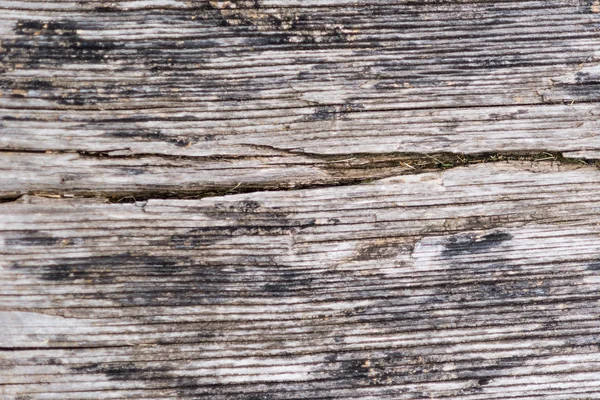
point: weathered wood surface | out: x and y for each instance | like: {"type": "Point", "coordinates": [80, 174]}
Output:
{"type": "Point", "coordinates": [255, 91]}
{"type": "Point", "coordinates": [474, 283]}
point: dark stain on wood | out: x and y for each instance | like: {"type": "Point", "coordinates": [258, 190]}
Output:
{"type": "Point", "coordinates": [468, 243]}
{"type": "Point", "coordinates": [123, 371]}
{"type": "Point", "coordinates": [52, 43]}
{"type": "Point", "coordinates": [102, 269]}
{"type": "Point", "coordinates": [150, 135]}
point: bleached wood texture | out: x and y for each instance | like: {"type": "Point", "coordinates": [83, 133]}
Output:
{"type": "Point", "coordinates": [473, 283]}
{"type": "Point", "coordinates": [266, 84]}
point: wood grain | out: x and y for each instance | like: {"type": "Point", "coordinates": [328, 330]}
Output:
{"type": "Point", "coordinates": [473, 283]}
{"type": "Point", "coordinates": [392, 213]}
{"type": "Point", "coordinates": [274, 83]}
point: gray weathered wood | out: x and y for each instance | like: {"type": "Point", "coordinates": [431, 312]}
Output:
{"type": "Point", "coordinates": [242, 80]}
{"type": "Point", "coordinates": [472, 283]}
{"type": "Point", "coordinates": [475, 282]}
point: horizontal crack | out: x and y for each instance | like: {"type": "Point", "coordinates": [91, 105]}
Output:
{"type": "Point", "coordinates": [343, 170]}
{"type": "Point", "coordinates": [10, 198]}
{"type": "Point", "coordinates": [109, 154]}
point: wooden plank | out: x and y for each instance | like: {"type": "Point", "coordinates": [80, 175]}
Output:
{"type": "Point", "coordinates": [473, 283]}
{"type": "Point", "coordinates": [247, 80]}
